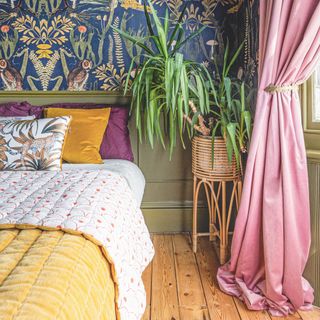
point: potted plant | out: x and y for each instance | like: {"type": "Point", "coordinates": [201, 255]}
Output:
{"type": "Point", "coordinates": [222, 135]}
{"type": "Point", "coordinates": [164, 81]}
{"type": "Point", "coordinates": [169, 86]}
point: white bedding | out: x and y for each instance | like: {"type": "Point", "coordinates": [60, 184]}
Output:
{"type": "Point", "coordinates": [98, 204]}
{"type": "Point", "coordinates": [124, 168]}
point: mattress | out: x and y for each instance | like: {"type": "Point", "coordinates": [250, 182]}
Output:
{"type": "Point", "coordinates": [126, 169]}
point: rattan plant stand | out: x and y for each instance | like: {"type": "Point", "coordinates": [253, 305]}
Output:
{"type": "Point", "coordinates": [222, 184]}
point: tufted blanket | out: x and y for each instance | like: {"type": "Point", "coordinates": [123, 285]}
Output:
{"type": "Point", "coordinates": [95, 204]}
{"type": "Point", "coordinates": [53, 275]}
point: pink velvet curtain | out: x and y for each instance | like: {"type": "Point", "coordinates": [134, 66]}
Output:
{"type": "Point", "coordinates": [272, 232]}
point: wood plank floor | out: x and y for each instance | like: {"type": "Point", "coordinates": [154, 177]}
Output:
{"type": "Point", "coordinates": [182, 286]}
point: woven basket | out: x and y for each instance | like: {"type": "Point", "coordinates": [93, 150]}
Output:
{"type": "Point", "coordinates": [222, 169]}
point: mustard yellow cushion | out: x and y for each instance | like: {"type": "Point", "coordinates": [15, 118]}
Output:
{"type": "Point", "coordinates": [86, 132]}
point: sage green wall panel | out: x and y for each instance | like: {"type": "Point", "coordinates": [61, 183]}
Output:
{"type": "Point", "coordinates": [167, 202]}
{"type": "Point", "coordinates": [134, 141]}
{"type": "Point", "coordinates": [169, 192]}
{"type": "Point", "coordinates": [312, 271]}
{"type": "Point", "coordinates": [157, 166]}
{"type": "Point", "coordinates": [166, 191]}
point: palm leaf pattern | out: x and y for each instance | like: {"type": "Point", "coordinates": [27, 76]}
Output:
{"type": "Point", "coordinates": [32, 144]}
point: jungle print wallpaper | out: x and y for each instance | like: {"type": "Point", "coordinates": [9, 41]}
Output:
{"type": "Point", "coordinates": [70, 45]}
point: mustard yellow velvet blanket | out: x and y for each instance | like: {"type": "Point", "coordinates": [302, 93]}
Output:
{"type": "Point", "coordinates": [53, 275]}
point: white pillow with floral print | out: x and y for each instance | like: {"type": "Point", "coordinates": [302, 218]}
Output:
{"type": "Point", "coordinates": [28, 145]}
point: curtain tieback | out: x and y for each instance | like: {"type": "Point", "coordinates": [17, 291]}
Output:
{"type": "Point", "coordinates": [271, 88]}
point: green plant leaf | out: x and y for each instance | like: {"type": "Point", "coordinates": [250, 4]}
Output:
{"type": "Point", "coordinates": [213, 136]}
{"type": "Point", "coordinates": [158, 125]}
{"type": "Point", "coordinates": [146, 14]}
{"type": "Point", "coordinates": [201, 93]}
{"type": "Point", "coordinates": [227, 85]}
{"type": "Point", "coordinates": [172, 134]}
{"type": "Point", "coordinates": [232, 132]}
{"type": "Point", "coordinates": [233, 59]}
{"type": "Point", "coordinates": [229, 148]}
{"type": "Point", "coordinates": [181, 120]}
{"type": "Point", "coordinates": [211, 85]}
{"type": "Point", "coordinates": [225, 61]}
{"type": "Point", "coordinates": [184, 88]}
{"type": "Point", "coordinates": [169, 82]}
{"type": "Point", "coordinates": [248, 121]}
{"type": "Point", "coordinates": [177, 26]}
{"type": "Point", "coordinates": [160, 30]}
{"type": "Point", "coordinates": [128, 77]}
{"type": "Point", "coordinates": [181, 33]}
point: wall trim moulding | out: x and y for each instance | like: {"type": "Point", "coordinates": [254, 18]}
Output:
{"type": "Point", "coordinates": [48, 97]}
{"type": "Point", "coordinates": [171, 204]}
{"type": "Point", "coordinates": [313, 156]}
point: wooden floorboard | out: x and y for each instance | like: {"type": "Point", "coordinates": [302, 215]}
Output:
{"type": "Point", "coordinates": [164, 301]}
{"type": "Point", "coordinates": [220, 305]}
{"type": "Point", "coordinates": [290, 317]}
{"type": "Point", "coordinates": [310, 315]}
{"type": "Point", "coordinates": [246, 314]}
{"type": "Point", "coordinates": [181, 285]}
{"type": "Point", "coordinates": [192, 303]}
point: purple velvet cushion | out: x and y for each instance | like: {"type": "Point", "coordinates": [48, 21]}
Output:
{"type": "Point", "coordinates": [116, 141]}
{"type": "Point", "coordinates": [18, 109]}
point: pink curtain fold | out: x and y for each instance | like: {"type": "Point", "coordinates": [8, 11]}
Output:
{"type": "Point", "coordinates": [272, 233]}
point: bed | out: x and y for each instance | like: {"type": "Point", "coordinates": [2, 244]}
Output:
{"type": "Point", "coordinates": [73, 243]}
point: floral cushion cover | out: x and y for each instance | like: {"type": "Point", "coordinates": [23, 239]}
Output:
{"type": "Point", "coordinates": [29, 145]}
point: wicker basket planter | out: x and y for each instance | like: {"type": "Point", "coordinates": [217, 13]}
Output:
{"type": "Point", "coordinates": [202, 167]}
{"type": "Point", "coordinates": [214, 179]}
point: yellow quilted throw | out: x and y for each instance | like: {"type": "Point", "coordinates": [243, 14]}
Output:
{"type": "Point", "coordinates": [53, 275]}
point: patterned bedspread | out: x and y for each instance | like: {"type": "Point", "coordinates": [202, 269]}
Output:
{"type": "Point", "coordinates": [96, 204]}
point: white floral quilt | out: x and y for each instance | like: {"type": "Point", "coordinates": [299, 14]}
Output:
{"type": "Point", "coordinates": [99, 204]}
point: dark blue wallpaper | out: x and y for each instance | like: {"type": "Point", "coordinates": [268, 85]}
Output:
{"type": "Point", "coordinates": [70, 45]}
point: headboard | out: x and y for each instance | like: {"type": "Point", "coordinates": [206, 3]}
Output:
{"type": "Point", "coordinates": [50, 97]}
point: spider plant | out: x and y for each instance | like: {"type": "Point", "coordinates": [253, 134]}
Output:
{"type": "Point", "coordinates": [233, 119]}
{"type": "Point", "coordinates": [230, 115]}
{"type": "Point", "coordinates": [164, 81]}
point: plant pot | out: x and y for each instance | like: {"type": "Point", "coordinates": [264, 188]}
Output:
{"type": "Point", "coordinates": [221, 168]}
